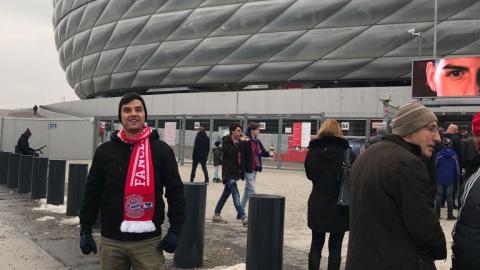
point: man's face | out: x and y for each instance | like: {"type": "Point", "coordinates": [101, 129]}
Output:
{"type": "Point", "coordinates": [454, 76]}
{"type": "Point", "coordinates": [256, 132]}
{"type": "Point", "coordinates": [426, 138]}
{"type": "Point", "coordinates": [133, 116]}
{"type": "Point", "coordinates": [237, 133]}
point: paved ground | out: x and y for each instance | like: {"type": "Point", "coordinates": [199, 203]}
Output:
{"type": "Point", "coordinates": [34, 235]}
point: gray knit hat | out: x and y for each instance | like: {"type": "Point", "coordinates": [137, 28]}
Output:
{"type": "Point", "coordinates": [412, 117]}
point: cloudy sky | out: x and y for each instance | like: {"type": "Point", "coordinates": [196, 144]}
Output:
{"type": "Point", "coordinates": [30, 71]}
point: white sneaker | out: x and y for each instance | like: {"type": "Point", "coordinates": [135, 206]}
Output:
{"type": "Point", "coordinates": [244, 220]}
{"type": "Point", "coordinates": [218, 219]}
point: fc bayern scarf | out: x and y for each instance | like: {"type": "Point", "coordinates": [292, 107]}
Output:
{"type": "Point", "coordinates": [256, 154]}
{"type": "Point", "coordinates": [139, 197]}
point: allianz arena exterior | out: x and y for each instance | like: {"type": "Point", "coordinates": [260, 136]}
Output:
{"type": "Point", "coordinates": [109, 46]}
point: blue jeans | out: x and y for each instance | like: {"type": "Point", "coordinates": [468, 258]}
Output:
{"type": "Point", "coordinates": [230, 188]}
{"type": "Point", "coordinates": [249, 187]}
{"type": "Point", "coordinates": [444, 192]}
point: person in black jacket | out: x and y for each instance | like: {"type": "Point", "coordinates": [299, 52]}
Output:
{"type": "Point", "coordinates": [217, 161]}
{"type": "Point", "coordinates": [323, 166]}
{"type": "Point", "coordinates": [132, 210]}
{"type": "Point", "coordinates": [466, 232]}
{"type": "Point", "coordinates": [233, 169]}
{"type": "Point", "coordinates": [392, 217]}
{"type": "Point", "coordinates": [23, 146]}
{"type": "Point", "coordinates": [201, 147]}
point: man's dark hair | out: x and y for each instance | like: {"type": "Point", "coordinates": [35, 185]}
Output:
{"type": "Point", "coordinates": [253, 126]}
{"type": "Point", "coordinates": [127, 98]}
{"type": "Point", "coordinates": [234, 126]}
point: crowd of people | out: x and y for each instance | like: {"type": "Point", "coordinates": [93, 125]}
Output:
{"type": "Point", "coordinates": [397, 187]}
{"type": "Point", "coordinates": [388, 197]}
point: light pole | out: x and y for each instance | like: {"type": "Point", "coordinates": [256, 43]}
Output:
{"type": "Point", "coordinates": [435, 30]}
{"type": "Point", "coordinates": [420, 39]}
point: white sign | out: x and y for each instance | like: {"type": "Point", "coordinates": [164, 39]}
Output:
{"type": "Point", "coordinates": [306, 133]}
{"type": "Point", "coordinates": [345, 125]}
{"type": "Point", "coordinates": [52, 125]}
{"type": "Point", "coordinates": [288, 130]}
{"type": "Point", "coordinates": [170, 132]}
{"type": "Point", "coordinates": [263, 125]}
{"type": "Point", "coordinates": [196, 125]}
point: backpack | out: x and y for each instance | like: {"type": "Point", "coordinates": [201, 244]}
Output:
{"type": "Point", "coordinates": [344, 179]}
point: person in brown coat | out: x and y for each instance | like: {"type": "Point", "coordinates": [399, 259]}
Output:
{"type": "Point", "coordinates": [323, 166]}
{"type": "Point", "coordinates": [392, 216]}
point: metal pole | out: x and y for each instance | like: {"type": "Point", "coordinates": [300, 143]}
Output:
{"type": "Point", "coordinates": [56, 182]}
{"type": "Point", "coordinates": [435, 30]}
{"type": "Point", "coordinates": [279, 144]}
{"type": "Point", "coordinates": [39, 178]}
{"type": "Point", "coordinates": [4, 167]}
{"type": "Point", "coordinates": [77, 176]}
{"type": "Point", "coordinates": [25, 176]}
{"type": "Point", "coordinates": [189, 252]}
{"type": "Point", "coordinates": [420, 47]}
{"type": "Point", "coordinates": [210, 157]}
{"type": "Point", "coordinates": [13, 170]}
{"type": "Point", "coordinates": [265, 232]}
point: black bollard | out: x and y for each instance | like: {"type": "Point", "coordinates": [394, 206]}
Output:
{"type": "Point", "coordinates": [25, 176]}
{"type": "Point", "coordinates": [13, 170]}
{"type": "Point", "coordinates": [3, 167]}
{"type": "Point", "coordinates": [266, 218]}
{"type": "Point", "coordinates": [39, 178]}
{"type": "Point", "coordinates": [189, 252]}
{"type": "Point", "coordinates": [77, 176]}
{"type": "Point", "coordinates": [56, 182]}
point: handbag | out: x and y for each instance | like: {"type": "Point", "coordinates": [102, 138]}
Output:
{"type": "Point", "coordinates": [344, 194]}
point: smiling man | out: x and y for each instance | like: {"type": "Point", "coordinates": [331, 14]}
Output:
{"type": "Point", "coordinates": [126, 182]}
{"type": "Point", "coordinates": [454, 77]}
{"type": "Point", "coordinates": [392, 217]}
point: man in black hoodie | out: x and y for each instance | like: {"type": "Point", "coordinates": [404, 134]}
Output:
{"type": "Point", "coordinates": [233, 169]}
{"type": "Point", "coordinates": [132, 211]}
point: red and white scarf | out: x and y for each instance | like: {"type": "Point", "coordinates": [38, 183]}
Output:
{"type": "Point", "coordinates": [139, 197]}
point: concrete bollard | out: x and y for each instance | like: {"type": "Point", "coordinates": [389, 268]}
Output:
{"type": "Point", "coordinates": [3, 167]}
{"type": "Point", "coordinates": [13, 170]}
{"type": "Point", "coordinates": [39, 178]}
{"type": "Point", "coordinates": [266, 218]}
{"type": "Point", "coordinates": [56, 182]}
{"type": "Point", "coordinates": [25, 176]}
{"type": "Point", "coordinates": [189, 252]}
{"type": "Point", "coordinates": [77, 177]}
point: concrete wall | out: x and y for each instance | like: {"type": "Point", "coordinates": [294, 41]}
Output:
{"type": "Point", "coordinates": [72, 139]}
{"type": "Point", "coordinates": [334, 102]}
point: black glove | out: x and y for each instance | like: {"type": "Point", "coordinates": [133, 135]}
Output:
{"type": "Point", "coordinates": [87, 243]}
{"type": "Point", "coordinates": [169, 242]}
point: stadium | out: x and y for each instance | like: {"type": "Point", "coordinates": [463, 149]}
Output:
{"type": "Point", "coordinates": [273, 61]}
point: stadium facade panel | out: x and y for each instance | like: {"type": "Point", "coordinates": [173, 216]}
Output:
{"type": "Point", "coordinates": [108, 46]}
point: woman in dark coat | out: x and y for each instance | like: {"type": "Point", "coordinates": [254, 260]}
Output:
{"type": "Point", "coordinates": [201, 148]}
{"type": "Point", "coordinates": [323, 166]}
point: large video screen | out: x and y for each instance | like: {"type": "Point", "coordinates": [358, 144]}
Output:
{"type": "Point", "coordinates": [446, 77]}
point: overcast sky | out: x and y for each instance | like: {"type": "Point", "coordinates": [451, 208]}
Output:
{"type": "Point", "coordinates": [30, 71]}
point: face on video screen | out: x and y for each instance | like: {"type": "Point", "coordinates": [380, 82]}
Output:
{"type": "Point", "coordinates": [447, 77]}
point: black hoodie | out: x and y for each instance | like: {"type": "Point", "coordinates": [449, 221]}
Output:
{"type": "Point", "coordinates": [106, 186]}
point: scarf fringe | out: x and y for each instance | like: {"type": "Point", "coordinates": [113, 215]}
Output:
{"type": "Point", "coordinates": [129, 226]}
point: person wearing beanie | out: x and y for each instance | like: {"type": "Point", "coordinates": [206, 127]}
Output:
{"type": "Point", "coordinates": [127, 180]}
{"type": "Point", "coordinates": [23, 147]}
{"type": "Point", "coordinates": [392, 215]}
{"type": "Point", "coordinates": [466, 232]}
